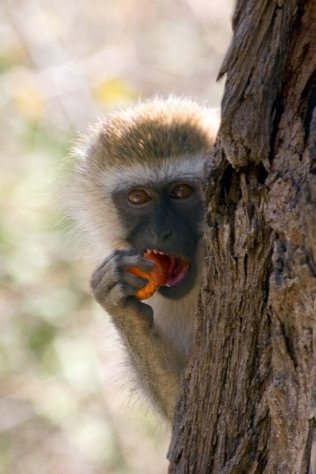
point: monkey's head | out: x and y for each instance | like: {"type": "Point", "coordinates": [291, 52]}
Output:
{"type": "Point", "coordinates": [137, 183]}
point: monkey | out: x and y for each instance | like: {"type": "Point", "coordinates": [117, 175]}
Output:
{"type": "Point", "coordinates": [136, 185]}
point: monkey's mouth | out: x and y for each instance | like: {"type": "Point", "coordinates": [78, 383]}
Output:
{"type": "Point", "coordinates": [175, 268]}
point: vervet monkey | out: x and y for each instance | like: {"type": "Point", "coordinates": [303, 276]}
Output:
{"type": "Point", "coordinates": [136, 185]}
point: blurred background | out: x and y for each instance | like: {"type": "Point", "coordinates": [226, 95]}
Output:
{"type": "Point", "coordinates": [63, 407]}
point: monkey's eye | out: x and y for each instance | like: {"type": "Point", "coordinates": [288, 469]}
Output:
{"type": "Point", "coordinates": [138, 196]}
{"type": "Point", "coordinates": [181, 191]}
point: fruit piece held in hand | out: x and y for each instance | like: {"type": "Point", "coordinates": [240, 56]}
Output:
{"type": "Point", "coordinates": [156, 278]}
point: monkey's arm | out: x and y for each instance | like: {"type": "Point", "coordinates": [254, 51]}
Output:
{"type": "Point", "coordinates": [157, 365]}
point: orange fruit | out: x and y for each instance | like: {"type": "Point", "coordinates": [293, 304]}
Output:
{"type": "Point", "coordinates": [156, 278]}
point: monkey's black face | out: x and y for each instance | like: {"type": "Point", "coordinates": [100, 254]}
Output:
{"type": "Point", "coordinates": [166, 219]}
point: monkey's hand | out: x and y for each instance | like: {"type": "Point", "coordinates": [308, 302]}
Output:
{"type": "Point", "coordinates": [156, 363]}
{"type": "Point", "coordinates": [114, 287]}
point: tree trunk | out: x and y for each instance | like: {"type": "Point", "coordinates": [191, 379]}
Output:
{"type": "Point", "coordinates": [248, 396]}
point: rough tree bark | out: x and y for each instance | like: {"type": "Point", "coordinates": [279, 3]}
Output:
{"type": "Point", "coordinates": [248, 396]}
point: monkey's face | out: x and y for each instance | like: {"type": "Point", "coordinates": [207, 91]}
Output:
{"type": "Point", "coordinates": [165, 218]}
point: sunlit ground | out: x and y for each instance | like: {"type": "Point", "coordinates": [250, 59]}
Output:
{"type": "Point", "coordinates": [64, 408]}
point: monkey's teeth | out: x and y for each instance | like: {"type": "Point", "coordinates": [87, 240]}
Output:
{"type": "Point", "coordinates": [156, 252]}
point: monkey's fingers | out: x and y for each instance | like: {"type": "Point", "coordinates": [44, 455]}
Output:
{"type": "Point", "coordinates": [134, 281]}
{"type": "Point", "coordinates": [136, 260]}
{"type": "Point", "coordinates": [146, 290]}
{"type": "Point", "coordinates": [157, 277]}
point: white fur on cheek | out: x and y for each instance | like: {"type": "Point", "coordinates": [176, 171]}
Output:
{"type": "Point", "coordinates": [95, 217]}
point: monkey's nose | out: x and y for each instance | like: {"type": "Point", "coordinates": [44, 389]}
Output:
{"type": "Point", "coordinates": [161, 235]}
{"type": "Point", "coordinates": [165, 235]}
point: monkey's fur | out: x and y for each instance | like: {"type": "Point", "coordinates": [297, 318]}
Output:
{"type": "Point", "coordinates": [150, 146]}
